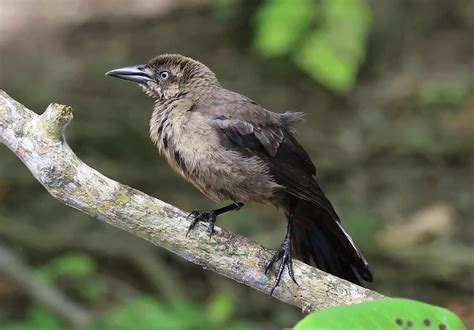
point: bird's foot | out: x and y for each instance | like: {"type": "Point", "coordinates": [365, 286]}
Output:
{"type": "Point", "coordinates": [209, 217]}
{"type": "Point", "coordinates": [283, 254]}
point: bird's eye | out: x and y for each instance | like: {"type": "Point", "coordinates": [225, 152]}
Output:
{"type": "Point", "coordinates": [164, 75]}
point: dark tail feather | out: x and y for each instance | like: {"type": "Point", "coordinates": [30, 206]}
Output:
{"type": "Point", "coordinates": [318, 235]}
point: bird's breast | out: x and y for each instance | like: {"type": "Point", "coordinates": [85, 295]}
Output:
{"type": "Point", "coordinates": [185, 138]}
{"type": "Point", "coordinates": [193, 149]}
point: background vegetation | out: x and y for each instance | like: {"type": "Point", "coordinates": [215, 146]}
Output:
{"type": "Point", "coordinates": [387, 87]}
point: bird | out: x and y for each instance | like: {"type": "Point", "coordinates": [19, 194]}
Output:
{"type": "Point", "coordinates": [234, 150]}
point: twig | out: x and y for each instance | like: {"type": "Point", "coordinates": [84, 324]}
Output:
{"type": "Point", "coordinates": [39, 142]}
{"type": "Point", "coordinates": [48, 296]}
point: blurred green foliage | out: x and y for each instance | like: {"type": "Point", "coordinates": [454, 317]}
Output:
{"type": "Point", "coordinates": [326, 39]}
{"type": "Point", "coordinates": [36, 318]}
{"type": "Point", "coordinates": [149, 313]}
{"type": "Point", "coordinates": [220, 308]}
{"type": "Point", "coordinates": [79, 270]}
{"type": "Point", "coordinates": [383, 314]}
{"type": "Point", "coordinates": [70, 264]}
{"type": "Point", "coordinates": [146, 311]}
{"type": "Point", "coordinates": [442, 93]}
{"type": "Point", "coordinates": [281, 24]}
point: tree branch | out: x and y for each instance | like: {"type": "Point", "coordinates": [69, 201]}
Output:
{"type": "Point", "coordinates": [38, 140]}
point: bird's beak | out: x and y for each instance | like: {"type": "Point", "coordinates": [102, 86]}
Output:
{"type": "Point", "coordinates": [134, 73]}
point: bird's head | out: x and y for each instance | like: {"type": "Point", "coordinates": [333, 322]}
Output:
{"type": "Point", "coordinates": [168, 76]}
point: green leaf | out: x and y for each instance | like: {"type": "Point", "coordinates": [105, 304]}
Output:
{"type": "Point", "coordinates": [69, 264]}
{"type": "Point", "coordinates": [332, 53]}
{"type": "Point", "coordinates": [37, 318]}
{"type": "Point", "coordinates": [241, 326]}
{"type": "Point", "coordinates": [320, 60]}
{"type": "Point", "coordinates": [185, 310]}
{"type": "Point", "coordinates": [326, 39]}
{"type": "Point", "coordinates": [41, 318]}
{"type": "Point", "coordinates": [280, 24]}
{"type": "Point", "coordinates": [220, 308]}
{"type": "Point", "coordinates": [79, 269]}
{"type": "Point", "coordinates": [91, 289]}
{"type": "Point", "coordinates": [383, 314]}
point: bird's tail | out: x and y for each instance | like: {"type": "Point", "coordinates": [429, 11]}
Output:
{"type": "Point", "coordinates": [317, 234]}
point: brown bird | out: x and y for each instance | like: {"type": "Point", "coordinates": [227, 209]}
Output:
{"type": "Point", "coordinates": [233, 149]}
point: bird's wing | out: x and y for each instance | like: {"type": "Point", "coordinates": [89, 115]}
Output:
{"type": "Point", "coordinates": [247, 127]}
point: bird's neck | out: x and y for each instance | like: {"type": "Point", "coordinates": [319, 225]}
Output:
{"type": "Point", "coordinates": [200, 89]}
{"type": "Point", "coordinates": [170, 97]}
{"type": "Point", "coordinates": [168, 115]}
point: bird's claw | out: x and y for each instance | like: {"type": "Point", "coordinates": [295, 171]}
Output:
{"type": "Point", "coordinates": [209, 217]}
{"type": "Point", "coordinates": [284, 253]}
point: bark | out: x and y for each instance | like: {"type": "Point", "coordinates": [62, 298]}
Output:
{"type": "Point", "coordinates": [38, 140]}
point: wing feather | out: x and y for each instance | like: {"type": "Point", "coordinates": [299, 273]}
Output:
{"type": "Point", "coordinates": [251, 129]}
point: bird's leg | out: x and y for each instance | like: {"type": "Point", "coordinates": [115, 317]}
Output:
{"type": "Point", "coordinates": [284, 253]}
{"type": "Point", "coordinates": [210, 216]}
